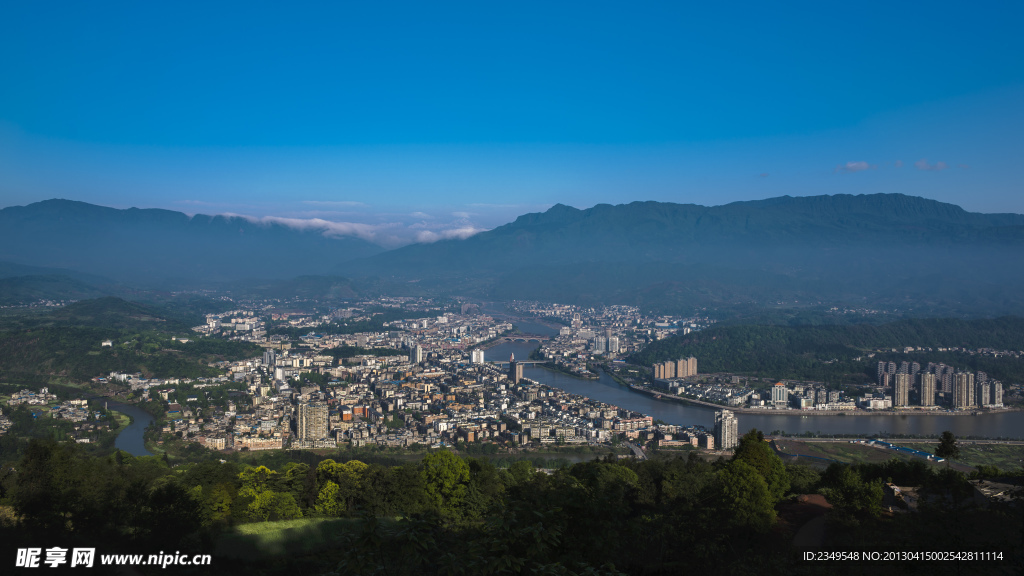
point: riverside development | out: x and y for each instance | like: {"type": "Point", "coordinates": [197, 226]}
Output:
{"type": "Point", "coordinates": [521, 376]}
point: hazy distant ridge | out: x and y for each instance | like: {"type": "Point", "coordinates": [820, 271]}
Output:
{"type": "Point", "coordinates": [878, 249]}
{"type": "Point", "coordinates": [880, 246]}
{"type": "Point", "coordinates": [147, 245]}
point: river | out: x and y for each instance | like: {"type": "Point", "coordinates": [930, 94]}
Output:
{"type": "Point", "coordinates": [130, 439]}
{"type": "Point", "coordinates": [606, 389]}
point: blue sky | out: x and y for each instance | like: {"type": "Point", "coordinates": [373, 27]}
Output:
{"type": "Point", "coordinates": [420, 120]}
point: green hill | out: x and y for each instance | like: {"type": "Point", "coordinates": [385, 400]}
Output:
{"type": "Point", "coordinates": [68, 342]}
{"type": "Point", "coordinates": [831, 352]}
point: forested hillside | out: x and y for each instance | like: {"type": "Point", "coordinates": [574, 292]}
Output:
{"type": "Point", "coordinates": [68, 342]}
{"type": "Point", "coordinates": [831, 352]}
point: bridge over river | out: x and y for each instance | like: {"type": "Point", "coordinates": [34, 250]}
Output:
{"type": "Point", "coordinates": [515, 338]}
{"type": "Point", "coordinates": [524, 338]}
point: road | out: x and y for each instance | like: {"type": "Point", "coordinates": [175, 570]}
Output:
{"type": "Point", "coordinates": [637, 451]}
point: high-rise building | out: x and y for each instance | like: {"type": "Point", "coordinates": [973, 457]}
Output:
{"type": "Point", "coordinates": [984, 394]}
{"type": "Point", "coordinates": [600, 344]}
{"type": "Point", "coordinates": [997, 393]}
{"type": "Point", "coordinates": [476, 356]}
{"type": "Point", "coordinates": [901, 389]}
{"type": "Point", "coordinates": [312, 424]}
{"type": "Point", "coordinates": [780, 396]}
{"type": "Point", "coordinates": [269, 357]}
{"type": "Point", "coordinates": [963, 390]}
{"type": "Point", "coordinates": [726, 429]}
{"type": "Point", "coordinates": [515, 370]}
{"type": "Point", "coordinates": [682, 370]}
{"type": "Point", "coordinates": [613, 344]}
{"type": "Point", "coordinates": [927, 386]}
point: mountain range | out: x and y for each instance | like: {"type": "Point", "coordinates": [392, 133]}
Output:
{"type": "Point", "coordinates": [153, 246]}
{"type": "Point", "coordinates": [878, 249]}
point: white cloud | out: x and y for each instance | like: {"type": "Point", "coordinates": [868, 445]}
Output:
{"type": "Point", "coordinates": [389, 234]}
{"type": "Point", "coordinates": [421, 215]}
{"type": "Point", "coordinates": [368, 232]}
{"type": "Point", "coordinates": [859, 166]}
{"type": "Point", "coordinates": [923, 164]}
{"type": "Point", "coordinates": [429, 236]}
{"type": "Point", "coordinates": [898, 163]}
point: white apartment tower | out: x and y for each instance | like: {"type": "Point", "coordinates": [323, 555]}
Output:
{"type": "Point", "coordinates": [726, 429]}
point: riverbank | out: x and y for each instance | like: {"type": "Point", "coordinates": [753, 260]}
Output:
{"type": "Point", "coordinates": [802, 413]}
{"type": "Point", "coordinates": [123, 420]}
{"type": "Point", "coordinates": [556, 368]}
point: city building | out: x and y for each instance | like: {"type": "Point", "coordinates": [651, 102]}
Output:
{"type": "Point", "coordinates": [726, 429]}
{"type": "Point", "coordinates": [613, 344]}
{"type": "Point", "coordinates": [927, 386]}
{"type": "Point", "coordinates": [515, 370]}
{"type": "Point", "coordinates": [686, 368]}
{"type": "Point", "coordinates": [901, 390]}
{"type": "Point", "coordinates": [312, 424]}
{"type": "Point", "coordinates": [780, 396]}
{"type": "Point", "coordinates": [963, 390]}
{"type": "Point", "coordinates": [477, 356]}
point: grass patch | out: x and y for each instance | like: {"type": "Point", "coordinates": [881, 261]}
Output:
{"type": "Point", "coordinates": [843, 451]}
{"type": "Point", "coordinates": [266, 540]}
{"type": "Point", "coordinates": [123, 420]}
{"type": "Point", "coordinates": [1004, 456]}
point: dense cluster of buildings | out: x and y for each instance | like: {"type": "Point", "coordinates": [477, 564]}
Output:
{"type": "Point", "coordinates": [681, 368]}
{"type": "Point", "coordinates": [41, 398]}
{"type": "Point", "coordinates": [938, 384]}
{"type": "Point", "coordinates": [610, 332]}
{"type": "Point", "coordinates": [435, 389]}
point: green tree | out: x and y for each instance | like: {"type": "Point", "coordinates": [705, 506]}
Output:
{"type": "Point", "coordinates": [745, 497]}
{"type": "Point", "coordinates": [445, 477]}
{"type": "Point", "coordinates": [852, 498]}
{"type": "Point", "coordinates": [270, 505]}
{"type": "Point", "coordinates": [753, 450]}
{"type": "Point", "coordinates": [256, 480]}
{"type": "Point", "coordinates": [328, 501]}
{"type": "Point", "coordinates": [947, 447]}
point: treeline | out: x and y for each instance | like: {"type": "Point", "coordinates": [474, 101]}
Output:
{"type": "Point", "coordinates": [465, 516]}
{"type": "Point", "coordinates": [828, 353]}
